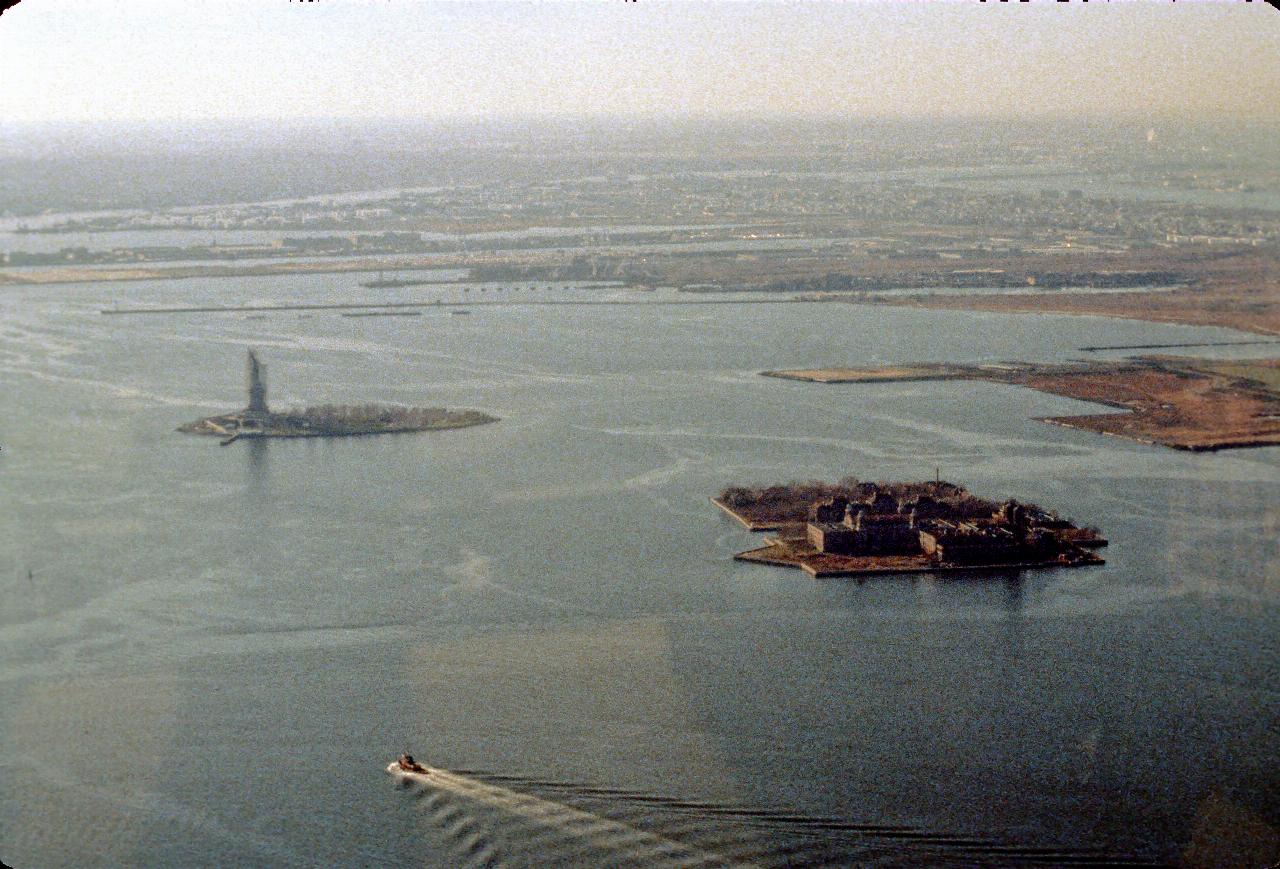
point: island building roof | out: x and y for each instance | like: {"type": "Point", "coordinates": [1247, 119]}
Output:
{"type": "Point", "coordinates": [882, 503]}
{"type": "Point", "coordinates": [831, 510]}
{"type": "Point", "coordinates": [966, 542]}
{"type": "Point", "coordinates": [952, 530]}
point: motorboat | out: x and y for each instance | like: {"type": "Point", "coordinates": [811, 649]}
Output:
{"type": "Point", "coordinates": [406, 764]}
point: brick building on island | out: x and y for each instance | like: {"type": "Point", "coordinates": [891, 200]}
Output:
{"type": "Point", "coordinates": [956, 529]}
{"type": "Point", "coordinates": [875, 526]}
{"type": "Point", "coordinates": [852, 528]}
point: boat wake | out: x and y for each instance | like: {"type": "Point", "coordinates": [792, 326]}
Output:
{"type": "Point", "coordinates": [493, 820]}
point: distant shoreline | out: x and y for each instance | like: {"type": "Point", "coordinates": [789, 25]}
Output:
{"type": "Point", "coordinates": [1200, 405]}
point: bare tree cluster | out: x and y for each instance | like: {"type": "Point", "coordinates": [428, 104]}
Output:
{"type": "Point", "coordinates": [795, 498]}
{"type": "Point", "coordinates": [376, 417]}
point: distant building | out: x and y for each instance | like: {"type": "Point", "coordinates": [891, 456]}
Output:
{"type": "Point", "coordinates": [924, 507]}
{"type": "Point", "coordinates": [867, 528]}
{"type": "Point", "coordinates": [883, 533]}
{"type": "Point", "coordinates": [831, 510]}
{"type": "Point", "coordinates": [947, 525]}
{"type": "Point", "coordinates": [1025, 517]}
{"type": "Point", "coordinates": [966, 543]}
{"type": "Point", "coordinates": [833, 537]}
{"type": "Point", "coordinates": [875, 526]}
{"type": "Point", "coordinates": [882, 503]}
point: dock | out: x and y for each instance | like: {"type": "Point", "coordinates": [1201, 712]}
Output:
{"type": "Point", "coordinates": [743, 520]}
{"type": "Point", "coordinates": [822, 566]}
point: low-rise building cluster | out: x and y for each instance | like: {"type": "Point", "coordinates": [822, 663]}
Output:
{"type": "Point", "coordinates": [951, 527]}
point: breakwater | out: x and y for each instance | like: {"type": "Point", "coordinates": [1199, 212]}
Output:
{"type": "Point", "coordinates": [346, 306]}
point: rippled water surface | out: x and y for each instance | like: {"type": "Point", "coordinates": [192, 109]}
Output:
{"type": "Point", "coordinates": [209, 654]}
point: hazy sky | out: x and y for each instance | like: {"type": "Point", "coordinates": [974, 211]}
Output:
{"type": "Point", "coordinates": [94, 59]}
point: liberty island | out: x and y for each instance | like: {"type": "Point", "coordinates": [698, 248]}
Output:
{"type": "Point", "coordinates": [258, 421]}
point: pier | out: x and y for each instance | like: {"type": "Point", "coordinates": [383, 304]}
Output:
{"type": "Point", "coordinates": [371, 306]}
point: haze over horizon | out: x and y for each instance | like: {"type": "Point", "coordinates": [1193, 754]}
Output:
{"type": "Point", "coordinates": [410, 61]}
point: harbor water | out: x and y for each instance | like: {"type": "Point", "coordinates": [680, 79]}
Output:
{"type": "Point", "coordinates": [210, 654]}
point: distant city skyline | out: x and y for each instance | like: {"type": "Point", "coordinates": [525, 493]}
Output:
{"type": "Point", "coordinates": [148, 60]}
